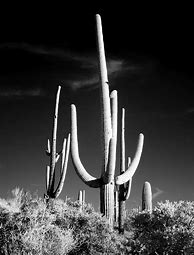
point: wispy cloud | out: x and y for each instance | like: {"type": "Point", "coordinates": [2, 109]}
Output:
{"type": "Point", "coordinates": [157, 193]}
{"type": "Point", "coordinates": [83, 71]}
{"type": "Point", "coordinates": [115, 68]}
{"type": "Point", "coordinates": [22, 93]}
{"type": "Point", "coordinates": [87, 60]}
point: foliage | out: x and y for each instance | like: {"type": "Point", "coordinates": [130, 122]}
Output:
{"type": "Point", "coordinates": [168, 230]}
{"type": "Point", "coordinates": [55, 228]}
{"type": "Point", "coordinates": [31, 229]}
{"type": "Point", "coordinates": [30, 226]}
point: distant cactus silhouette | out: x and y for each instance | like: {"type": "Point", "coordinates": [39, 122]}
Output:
{"type": "Point", "coordinates": [51, 191]}
{"type": "Point", "coordinates": [147, 197]}
{"type": "Point", "coordinates": [106, 182]}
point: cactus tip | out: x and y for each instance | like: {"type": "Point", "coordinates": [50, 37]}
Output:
{"type": "Point", "coordinates": [73, 106]}
{"type": "Point", "coordinates": [113, 94]}
{"type": "Point", "coordinates": [141, 135]}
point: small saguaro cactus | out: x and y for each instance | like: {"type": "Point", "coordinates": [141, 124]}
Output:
{"type": "Point", "coordinates": [109, 109]}
{"type": "Point", "coordinates": [51, 191]}
{"type": "Point", "coordinates": [81, 198]}
{"type": "Point", "coordinates": [147, 197]}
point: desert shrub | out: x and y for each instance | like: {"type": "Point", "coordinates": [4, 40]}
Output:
{"type": "Point", "coordinates": [47, 239]}
{"type": "Point", "coordinates": [30, 226]}
{"type": "Point", "coordinates": [27, 226]}
{"type": "Point", "coordinates": [11, 223]}
{"type": "Point", "coordinates": [91, 231]}
{"type": "Point", "coordinates": [168, 230]}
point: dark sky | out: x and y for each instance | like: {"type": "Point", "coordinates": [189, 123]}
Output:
{"type": "Point", "coordinates": [149, 53]}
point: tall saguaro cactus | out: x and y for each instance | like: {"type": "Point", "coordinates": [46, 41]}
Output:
{"type": "Point", "coordinates": [109, 104]}
{"type": "Point", "coordinates": [51, 191]}
{"type": "Point", "coordinates": [147, 197]}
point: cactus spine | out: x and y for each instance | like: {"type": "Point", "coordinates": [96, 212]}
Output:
{"type": "Point", "coordinates": [106, 182]}
{"type": "Point", "coordinates": [147, 197]}
{"type": "Point", "coordinates": [51, 192]}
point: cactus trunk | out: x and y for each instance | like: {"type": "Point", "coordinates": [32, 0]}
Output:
{"type": "Point", "coordinates": [116, 206]}
{"type": "Point", "coordinates": [107, 201]}
{"type": "Point", "coordinates": [121, 214]}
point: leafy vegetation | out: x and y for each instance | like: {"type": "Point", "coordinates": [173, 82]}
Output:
{"type": "Point", "coordinates": [169, 229]}
{"type": "Point", "coordinates": [30, 226]}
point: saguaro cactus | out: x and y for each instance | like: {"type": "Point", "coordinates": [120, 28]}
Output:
{"type": "Point", "coordinates": [51, 191]}
{"type": "Point", "coordinates": [147, 197]}
{"type": "Point", "coordinates": [124, 189]}
{"type": "Point", "coordinates": [106, 182]}
{"type": "Point", "coordinates": [81, 198]}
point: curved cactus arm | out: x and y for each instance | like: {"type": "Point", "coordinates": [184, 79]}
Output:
{"type": "Point", "coordinates": [63, 170]}
{"type": "Point", "coordinates": [109, 174]}
{"type": "Point", "coordinates": [47, 177]}
{"type": "Point", "coordinates": [128, 174]}
{"type": "Point", "coordinates": [54, 138]}
{"type": "Point", "coordinates": [128, 189]}
{"type": "Point", "coordinates": [81, 171]}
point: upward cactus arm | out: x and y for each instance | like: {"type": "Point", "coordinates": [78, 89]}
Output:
{"type": "Point", "coordinates": [127, 175]}
{"type": "Point", "coordinates": [63, 154]}
{"type": "Point", "coordinates": [64, 163]}
{"type": "Point", "coordinates": [109, 174]}
{"type": "Point", "coordinates": [81, 171]}
{"type": "Point", "coordinates": [122, 152]}
{"type": "Point", "coordinates": [48, 151]}
{"type": "Point", "coordinates": [47, 177]}
{"type": "Point", "coordinates": [105, 99]}
{"type": "Point", "coordinates": [80, 197]}
{"type": "Point", "coordinates": [128, 184]}
{"type": "Point", "coordinates": [54, 138]}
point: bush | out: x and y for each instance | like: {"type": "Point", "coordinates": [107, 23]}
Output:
{"type": "Point", "coordinates": [168, 230]}
{"type": "Point", "coordinates": [29, 226]}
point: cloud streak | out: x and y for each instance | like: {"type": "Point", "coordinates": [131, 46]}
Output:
{"type": "Point", "coordinates": [115, 68]}
{"type": "Point", "coordinates": [82, 70]}
{"type": "Point", "coordinates": [22, 93]}
{"type": "Point", "coordinates": [157, 193]}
